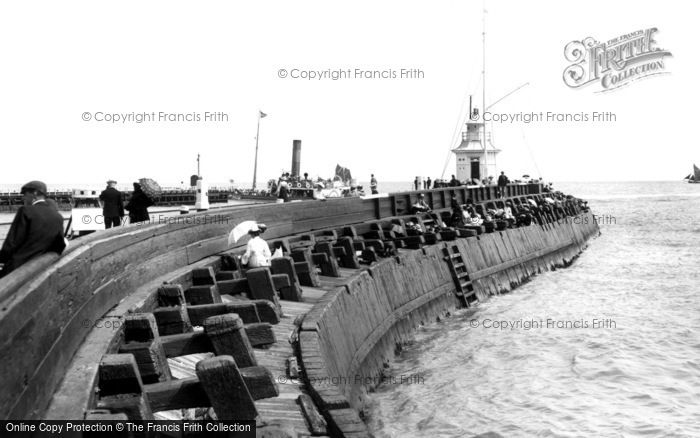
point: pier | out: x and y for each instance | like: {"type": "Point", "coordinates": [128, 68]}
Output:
{"type": "Point", "coordinates": [142, 322]}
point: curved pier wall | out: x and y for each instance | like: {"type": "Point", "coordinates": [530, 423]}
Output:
{"type": "Point", "coordinates": [348, 337]}
{"type": "Point", "coordinates": [44, 304]}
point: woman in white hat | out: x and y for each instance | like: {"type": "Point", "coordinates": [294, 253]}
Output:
{"type": "Point", "coordinates": [257, 252]}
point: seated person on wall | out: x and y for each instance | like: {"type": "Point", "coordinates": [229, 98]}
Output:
{"type": "Point", "coordinates": [413, 229]}
{"type": "Point", "coordinates": [36, 229]}
{"type": "Point", "coordinates": [420, 206]}
{"type": "Point", "coordinates": [257, 253]}
{"type": "Point", "coordinates": [457, 213]}
{"type": "Point", "coordinates": [508, 214]}
{"type": "Point", "coordinates": [474, 218]}
{"type": "Point", "coordinates": [524, 216]}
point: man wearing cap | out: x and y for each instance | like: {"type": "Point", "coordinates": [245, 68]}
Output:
{"type": "Point", "coordinates": [36, 229]}
{"type": "Point", "coordinates": [112, 205]}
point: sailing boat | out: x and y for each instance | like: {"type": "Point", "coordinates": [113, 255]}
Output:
{"type": "Point", "coordinates": [694, 178]}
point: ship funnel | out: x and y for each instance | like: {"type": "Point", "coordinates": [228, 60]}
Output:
{"type": "Point", "coordinates": [296, 157]}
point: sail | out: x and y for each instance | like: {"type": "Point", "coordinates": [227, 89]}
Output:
{"type": "Point", "coordinates": [342, 173]}
{"type": "Point", "coordinates": [697, 173]}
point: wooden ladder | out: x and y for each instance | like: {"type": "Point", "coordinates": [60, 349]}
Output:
{"type": "Point", "coordinates": [463, 284]}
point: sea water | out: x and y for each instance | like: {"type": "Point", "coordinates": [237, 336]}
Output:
{"type": "Point", "coordinates": [609, 346]}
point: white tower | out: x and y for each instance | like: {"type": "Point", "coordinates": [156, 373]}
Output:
{"type": "Point", "coordinates": [470, 154]}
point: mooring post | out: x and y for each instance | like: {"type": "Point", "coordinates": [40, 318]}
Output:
{"type": "Point", "coordinates": [120, 387]}
{"type": "Point", "coordinates": [305, 267]}
{"type": "Point", "coordinates": [228, 336]}
{"type": "Point", "coordinates": [262, 286]}
{"type": "Point", "coordinates": [171, 295]}
{"type": "Point", "coordinates": [141, 338]}
{"type": "Point", "coordinates": [226, 389]}
{"type": "Point", "coordinates": [349, 258]}
{"type": "Point", "coordinates": [285, 265]}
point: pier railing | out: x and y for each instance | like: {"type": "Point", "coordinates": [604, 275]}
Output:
{"type": "Point", "coordinates": [44, 305]}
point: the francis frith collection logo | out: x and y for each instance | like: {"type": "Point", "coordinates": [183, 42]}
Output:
{"type": "Point", "coordinates": [614, 63]}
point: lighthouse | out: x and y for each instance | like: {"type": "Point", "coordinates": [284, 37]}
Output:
{"type": "Point", "coordinates": [476, 158]}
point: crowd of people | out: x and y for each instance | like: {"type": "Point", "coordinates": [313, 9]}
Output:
{"type": "Point", "coordinates": [509, 213]}
{"type": "Point", "coordinates": [549, 209]}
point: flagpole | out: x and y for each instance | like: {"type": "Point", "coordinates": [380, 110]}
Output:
{"type": "Point", "coordinates": [257, 136]}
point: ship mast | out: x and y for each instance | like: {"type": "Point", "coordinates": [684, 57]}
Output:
{"type": "Point", "coordinates": [483, 83]}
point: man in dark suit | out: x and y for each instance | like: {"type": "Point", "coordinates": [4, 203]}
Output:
{"type": "Point", "coordinates": [502, 183]}
{"type": "Point", "coordinates": [36, 229]}
{"type": "Point", "coordinates": [112, 205]}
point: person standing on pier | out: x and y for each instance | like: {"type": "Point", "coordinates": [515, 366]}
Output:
{"type": "Point", "coordinates": [36, 229]}
{"type": "Point", "coordinates": [373, 185]}
{"type": "Point", "coordinates": [502, 183]}
{"type": "Point", "coordinates": [138, 205]}
{"type": "Point", "coordinates": [112, 205]}
{"type": "Point", "coordinates": [283, 194]}
{"type": "Point", "coordinates": [428, 182]}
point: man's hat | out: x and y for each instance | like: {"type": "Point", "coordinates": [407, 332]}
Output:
{"type": "Point", "coordinates": [34, 185]}
{"type": "Point", "coordinates": [111, 181]}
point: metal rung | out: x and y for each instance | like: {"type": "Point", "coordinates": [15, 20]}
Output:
{"type": "Point", "coordinates": [458, 265]}
{"type": "Point", "coordinates": [463, 274]}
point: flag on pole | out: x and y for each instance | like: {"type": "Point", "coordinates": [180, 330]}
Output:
{"type": "Point", "coordinates": [262, 114]}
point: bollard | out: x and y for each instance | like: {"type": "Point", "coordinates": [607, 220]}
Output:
{"type": "Point", "coordinates": [227, 335]}
{"type": "Point", "coordinates": [285, 265]}
{"type": "Point", "coordinates": [142, 340]}
{"type": "Point", "coordinates": [120, 387]}
{"type": "Point", "coordinates": [226, 389]}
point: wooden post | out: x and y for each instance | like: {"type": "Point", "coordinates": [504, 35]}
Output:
{"type": "Point", "coordinates": [349, 259]}
{"type": "Point", "coordinates": [330, 268]}
{"type": "Point", "coordinates": [171, 295]}
{"type": "Point", "coordinates": [203, 277]}
{"type": "Point", "coordinates": [204, 294]}
{"type": "Point", "coordinates": [172, 320]}
{"type": "Point", "coordinates": [121, 388]}
{"type": "Point", "coordinates": [226, 389]}
{"type": "Point", "coordinates": [285, 265]}
{"type": "Point", "coordinates": [262, 287]}
{"type": "Point", "coordinates": [227, 335]}
{"type": "Point", "coordinates": [142, 340]}
{"type": "Point", "coordinates": [308, 276]}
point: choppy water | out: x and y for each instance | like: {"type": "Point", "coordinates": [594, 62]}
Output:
{"type": "Point", "coordinates": [637, 373]}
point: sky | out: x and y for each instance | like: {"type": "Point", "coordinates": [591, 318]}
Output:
{"type": "Point", "coordinates": [63, 62]}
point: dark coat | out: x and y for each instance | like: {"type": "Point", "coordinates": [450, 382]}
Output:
{"type": "Point", "coordinates": [503, 181]}
{"type": "Point", "coordinates": [138, 207]}
{"type": "Point", "coordinates": [36, 229]}
{"type": "Point", "coordinates": [283, 194]}
{"type": "Point", "coordinates": [113, 206]}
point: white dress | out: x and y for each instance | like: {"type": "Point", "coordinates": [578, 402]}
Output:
{"type": "Point", "coordinates": [257, 253]}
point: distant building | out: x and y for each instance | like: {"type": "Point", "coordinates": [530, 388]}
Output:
{"type": "Point", "coordinates": [470, 154]}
